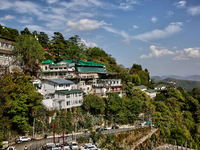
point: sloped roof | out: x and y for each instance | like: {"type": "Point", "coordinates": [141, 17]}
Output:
{"type": "Point", "coordinates": [48, 62]}
{"type": "Point", "coordinates": [70, 92]}
{"type": "Point", "coordinates": [90, 69]}
{"type": "Point", "coordinates": [60, 81]}
{"type": "Point", "coordinates": [84, 63]}
{"type": "Point", "coordinates": [151, 91]}
{"type": "Point", "coordinates": [140, 87]}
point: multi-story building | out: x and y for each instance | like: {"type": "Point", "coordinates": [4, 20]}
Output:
{"type": "Point", "coordinates": [7, 61]}
{"type": "Point", "coordinates": [59, 94]}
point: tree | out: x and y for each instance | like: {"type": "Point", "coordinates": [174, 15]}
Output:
{"type": "Point", "coordinates": [94, 104]}
{"type": "Point", "coordinates": [75, 49]}
{"type": "Point", "coordinates": [135, 68]}
{"type": "Point", "coordinates": [19, 98]}
{"type": "Point", "coordinates": [30, 52]}
{"type": "Point", "coordinates": [58, 46]}
{"type": "Point", "coordinates": [43, 39]}
{"type": "Point", "coordinates": [25, 31]}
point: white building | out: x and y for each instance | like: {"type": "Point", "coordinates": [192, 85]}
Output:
{"type": "Point", "coordinates": [59, 93]}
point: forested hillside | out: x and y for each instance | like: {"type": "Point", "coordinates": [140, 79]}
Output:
{"type": "Point", "coordinates": [185, 84]}
{"type": "Point", "coordinates": [175, 112]}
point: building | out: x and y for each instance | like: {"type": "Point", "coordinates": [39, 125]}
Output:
{"type": "Point", "coordinates": [7, 60]}
{"type": "Point", "coordinates": [59, 93]}
{"type": "Point", "coordinates": [141, 87]}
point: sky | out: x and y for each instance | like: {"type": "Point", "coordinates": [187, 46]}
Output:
{"type": "Point", "coordinates": [162, 36]}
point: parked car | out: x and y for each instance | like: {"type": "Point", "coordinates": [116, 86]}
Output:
{"type": "Point", "coordinates": [107, 128]}
{"type": "Point", "coordinates": [99, 129]}
{"type": "Point", "coordinates": [115, 127]}
{"type": "Point", "coordinates": [5, 144]}
{"type": "Point", "coordinates": [87, 146]}
{"type": "Point", "coordinates": [143, 123]}
{"type": "Point", "coordinates": [74, 146]}
{"type": "Point", "coordinates": [11, 148]}
{"type": "Point", "coordinates": [49, 146]}
{"type": "Point", "coordinates": [66, 146]}
{"type": "Point", "coordinates": [24, 139]}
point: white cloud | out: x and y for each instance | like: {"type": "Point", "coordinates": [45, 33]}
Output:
{"type": "Point", "coordinates": [25, 19]}
{"type": "Point", "coordinates": [194, 10]}
{"type": "Point", "coordinates": [135, 27]}
{"type": "Point", "coordinates": [128, 5]}
{"type": "Point", "coordinates": [5, 5]}
{"type": "Point", "coordinates": [180, 4]}
{"type": "Point", "coordinates": [121, 33]}
{"type": "Point", "coordinates": [170, 13]}
{"type": "Point", "coordinates": [89, 44]}
{"type": "Point", "coordinates": [7, 17]}
{"type": "Point", "coordinates": [175, 47]}
{"type": "Point", "coordinates": [158, 52]}
{"type": "Point", "coordinates": [171, 29]}
{"type": "Point", "coordinates": [51, 1]}
{"type": "Point", "coordinates": [188, 53]}
{"type": "Point", "coordinates": [85, 25]}
{"type": "Point", "coordinates": [154, 19]}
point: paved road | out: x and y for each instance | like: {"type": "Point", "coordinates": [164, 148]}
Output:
{"type": "Point", "coordinates": [23, 144]}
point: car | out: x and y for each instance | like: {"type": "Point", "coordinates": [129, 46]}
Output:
{"type": "Point", "coordinates": [49, 146]}
{"type": "Point", "coordinates": [99, 129]}
{"type": "Point", "coordinates": [74, 146]}
{"type": "Point", "coordinates": [143, 123]}
{"type": "Point", "coordinates": [24, 139]}
{"type": "Point", "coordinates": [115, 127]}
{"type": "Point", "coordinates": [66, 146]}
{"type": "Point", "coordinates": [58, 146]}
{"type": "Point", "coordinates": [87, 146]}
{"type": "Point", "coordinates": [95, 149]}
{"type": "Point", "coordinates": [11, 148]}
{"type": "Point", "coordinates": [107, 128]}
{"type": "Point", "coordinates": [18, 141]}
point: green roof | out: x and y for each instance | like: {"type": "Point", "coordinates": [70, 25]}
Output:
{"type": "Point", "coordinates": [70, 92]}
{"type": "Point", "coordinates": [48, 62]}
{"type": "Point", "coordinates": [84, 63]}
{"type": "Point", "coordinates": [90, 69]}
{"type": "Point", "coordinates": [151, 91]}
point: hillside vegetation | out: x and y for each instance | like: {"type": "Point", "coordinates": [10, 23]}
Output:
{"type": "Point", "coordinates": [185, 84]}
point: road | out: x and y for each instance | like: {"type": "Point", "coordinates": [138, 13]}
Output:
{"type": "Point", "coordinates": [23, 144]}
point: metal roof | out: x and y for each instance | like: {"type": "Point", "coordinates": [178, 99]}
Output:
{"type": "Point", "coordinates": [48, 62]}
{"type": "Point", "coordinates": [60, 81]}
{"type": "Point", "coordinates": [90, 69]}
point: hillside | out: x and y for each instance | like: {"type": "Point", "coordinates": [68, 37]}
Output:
{"type": "Point", "coordinates": [185, 84]}
{"type": "Point", "coordinates": [191, 78]}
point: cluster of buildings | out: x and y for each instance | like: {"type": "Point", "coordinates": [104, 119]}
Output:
{"type": "Point", "coordinates": [63, 84]}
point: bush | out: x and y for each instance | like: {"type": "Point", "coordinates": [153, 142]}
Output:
{"type": "Point", "coordinates": [82, 139]}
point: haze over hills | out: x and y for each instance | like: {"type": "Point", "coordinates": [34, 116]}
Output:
{"type": "Point", "coordinates": [190, 78]}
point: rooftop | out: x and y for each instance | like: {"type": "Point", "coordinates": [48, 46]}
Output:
{"type": "Point", "coordinates": [60, 81]}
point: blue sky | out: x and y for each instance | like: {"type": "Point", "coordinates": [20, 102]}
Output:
{"type": "Point", "coordinates": [161, 35]}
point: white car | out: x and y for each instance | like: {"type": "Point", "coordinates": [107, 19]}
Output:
{"type": "Point", "coordinates": [143, 123]}
{"type": "Point", "coordinates": [107, 128]}
{"type": "Point", "coordinates": [24, 139]}
{"type": "Point", "coordinates": [87, 146]}
{"type": "Point", "coordinates": [11, 148]}
{"type": "Point", "coordinates": [74, 146]}
{"type": "Point", "coordinates": [66, 146]}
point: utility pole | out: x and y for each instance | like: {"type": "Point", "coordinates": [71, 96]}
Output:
{"type": "Point", "coordinates": [33, 127]}
{"type": "Point", "coordinates": [53, 131]}
{"type": "Point", "coordinates": [63, 136]}
{"type": "Point", "coordinates": [76, 125]}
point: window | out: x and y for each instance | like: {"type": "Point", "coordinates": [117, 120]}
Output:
{"type": "Point", "coordinates": [60, 85]}
{"type": "Point", "coordinates": [45, 67]}
{"type": "Point", "coordinates": [56, 68]}
{"type": "Point", "coordinates": [75, 94]}
{"type": "Point", "coordinates": [113, 82]}
{"type": "Point", "coordinates": [117, 82]}
{"type": "Point", "coordinates": [76, 102]}
{"type": "Point", "coordinates": [68, 96]}
{"type": "Point", "coordinates": [58, 95]}
{"type": "Point", "coordinates": [68, 103]}
{"type": "Point", "coordinates": [65, 67]}
{"type": "Point", "coordinates": [68, 85]}
{"type": "Point", "coordinates": [80, 101]}
{"type": "Point", "coordinates": [60, 68]}
{"type": "Point", "coordinates": [80, 94]}
{"type": "Point", "coordinates": [51, 68]}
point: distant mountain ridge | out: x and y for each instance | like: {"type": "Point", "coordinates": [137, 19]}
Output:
{"type": "Point", "coordinates": [190, 78]}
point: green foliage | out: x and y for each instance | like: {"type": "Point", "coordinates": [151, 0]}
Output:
{"type": "Point", "coordinates": [30, 52]}
{"type": "Point", "coordinates": [94, 104]}
{"type": "Point", "coordinates": [82, 139]}
{"type": "Point", "coordinates": [19, 100]}
{"type": "Point", "coordinates": [8, 32]}
{"type": "Point", "coordinates": [110, 138]}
